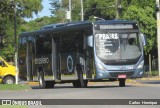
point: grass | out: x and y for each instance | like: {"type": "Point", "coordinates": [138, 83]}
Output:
{"type": "Point", "coordinates": [152, 73]}
{"type": "Point", "coordinates": [14, 87]}
{"type": "Point", "coordinates": [13, 106]}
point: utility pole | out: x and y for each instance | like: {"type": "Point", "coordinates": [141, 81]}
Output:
{"type": "Point", "coordinates": [82, 16]}
{"type": "Point", "coordinates": [117, 11]}
{"type": "Point", "coordinates": [118, 8]}
{"type": "Point", "coordinates": [15, 40]}
{"type": "Point", "coordinates": [158, 32]}
{"type": "Point", "coordinates": [70, 10]}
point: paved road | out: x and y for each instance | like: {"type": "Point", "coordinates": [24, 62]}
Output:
{"type": "Point", "coordinates": [149, 82]}
{"type": "Point", "coordinates": [103, 90]}
{"type": "Point", "coordinates": [94, 91]}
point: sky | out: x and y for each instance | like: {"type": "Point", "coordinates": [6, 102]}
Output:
{"type": "Point", "coordinates": [44, 12]}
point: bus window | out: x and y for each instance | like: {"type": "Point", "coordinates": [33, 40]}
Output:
{"type": "Point", "coordinates": [24, 41]}
{"type": "Point", "coordinates": [44, 44]}
{"type": "Point", "coordinates": [31, 40]}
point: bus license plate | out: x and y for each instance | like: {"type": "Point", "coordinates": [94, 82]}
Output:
{"type": "Point", "coordinates": [122, 76]}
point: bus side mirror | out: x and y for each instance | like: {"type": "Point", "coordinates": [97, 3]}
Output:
{"type": "Point", "coordinates": [143, 39]}
{"type": "Point", "coordinates": [90, 41]}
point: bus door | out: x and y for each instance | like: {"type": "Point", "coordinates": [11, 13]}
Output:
{"type": "Point", "coordinates": [87, 57]}
{"type": "Point", "coordinates": [29, 61]}
{"type": "Point", "coordinates": [88, 64]}
{"type": "Point", "coordinates": [56, 58]}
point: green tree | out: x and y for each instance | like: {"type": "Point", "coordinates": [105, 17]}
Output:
{"type": "Point", "coordinates": [24, 9]}
{"type": "Point", "coordinates": [143, 11]}
{"type": "Point", "coordinates": [59, 9]}
{"type": "Point", "coordinates": [101, 8]}
{"type": "Point", "coordinates": [37, 23]}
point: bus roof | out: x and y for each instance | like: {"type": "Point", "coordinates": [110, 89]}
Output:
{"type": "Point", "coordinates": [86, 22]}
{"type": "Point", "coordinates": [60, 26]}
{"type": "Point", "coordinates": [50, 26]}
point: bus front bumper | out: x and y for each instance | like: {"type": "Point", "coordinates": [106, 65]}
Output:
{"type": "Point", "coordinates": [137, 73]}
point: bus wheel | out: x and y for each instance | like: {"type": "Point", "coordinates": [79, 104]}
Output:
{"type": "Point", "coordinates": [122, 82]}
{"type": "Point", "coordinates": [83, 83]}
{"type": "Point", "coordinates": [76, 84]}
{"type": "Point", "coordinates": [49, 84]}
{"type": "Point", "coordinates": [9, 80]}
{"type": "Point", "coordinates": [41, 80]}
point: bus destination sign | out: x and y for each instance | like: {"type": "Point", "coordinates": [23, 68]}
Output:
{"type": "Point", "coordinates": [116, 26]}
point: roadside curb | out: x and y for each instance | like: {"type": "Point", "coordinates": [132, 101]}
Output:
{"type": "Point", "coordinates": [32, 83]}
{"type": "Point", "coordinates": [150, 78]}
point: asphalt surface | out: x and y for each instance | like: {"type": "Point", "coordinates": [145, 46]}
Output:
{"type": "Point", "coordinates": [135, 89]}
{"type": "Point", "coordinates": [150, 82]}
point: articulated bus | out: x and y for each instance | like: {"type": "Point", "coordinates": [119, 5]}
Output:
{"type": "Point", "coordinates": [83, 51]}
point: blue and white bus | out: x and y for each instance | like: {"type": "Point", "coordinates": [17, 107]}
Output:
{"type": "Point", "coordinates": [84, 51]}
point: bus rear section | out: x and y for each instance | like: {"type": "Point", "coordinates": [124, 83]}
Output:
{"type": "Point", "coordinates": [118, 50]}
{"type": "Point", "coordinates": [57, 55]}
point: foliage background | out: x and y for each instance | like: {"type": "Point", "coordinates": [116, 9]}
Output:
{"type": "Point", "coordinates": [143, 11]}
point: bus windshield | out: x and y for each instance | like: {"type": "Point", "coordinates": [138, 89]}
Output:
{"type": "Point", "coordinates": [118, 48]}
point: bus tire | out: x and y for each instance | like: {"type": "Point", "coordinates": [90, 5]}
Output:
{"type": "Point", "coordinates": [83, 83]}
{"type": "Point", "coordinates": [9, 80]}
{"type": "Point", "coordinates": [122, 82]}
{"type": "Point", "coordinates": [42, 83]}
{"type": "Point", "coordinates": [76, 84]}
{"type": "Point", "coordinates": [49, 84]}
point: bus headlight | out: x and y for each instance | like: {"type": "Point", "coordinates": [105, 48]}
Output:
{"type": "Point", "coordinates": [141, 65]}
{"type": "Point", "coordinates": [100, 66]}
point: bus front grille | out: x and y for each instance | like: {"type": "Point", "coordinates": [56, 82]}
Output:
{"type": "Point", "coordinates": [115, 74]}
